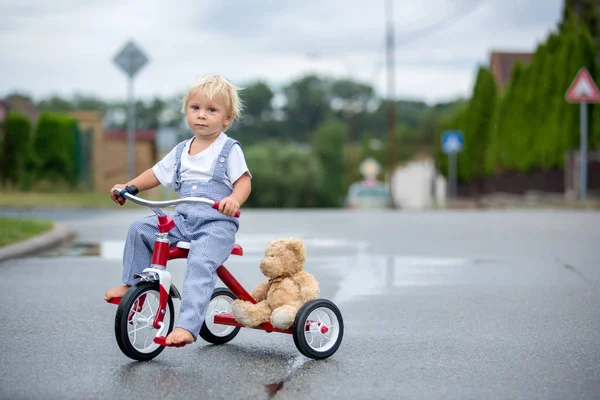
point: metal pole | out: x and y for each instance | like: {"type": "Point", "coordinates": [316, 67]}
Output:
{"type": "Point", "coordinates": [452, 174]}
{"type": "Point", "coordinates": [131, 131]}
{"type": "Point", "coordinates": [391, 156]}
{"type": "Point", "coordinates": [583, 153]}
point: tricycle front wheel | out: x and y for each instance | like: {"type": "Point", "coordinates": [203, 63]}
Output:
{"type": "Point", "coordinates": [134, 328]}
{"type": "Point", "coordinates": [318, 329]}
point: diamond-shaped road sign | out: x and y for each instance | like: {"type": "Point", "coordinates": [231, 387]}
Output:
{"type": "Point", "coordinates": [131, 59]}
{"type": "Point", "coordinates": [583, 89]}
{"type": "Point", "coordinates": [452, 142]}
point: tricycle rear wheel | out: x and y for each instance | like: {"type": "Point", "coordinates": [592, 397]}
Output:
{"type": "Point", "coordinates": [318, 329]}
{"type": "Point", "coordinates": [220, 303]}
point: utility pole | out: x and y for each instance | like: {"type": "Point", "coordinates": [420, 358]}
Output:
{"type": "Point", "coordinates": [391, 154]}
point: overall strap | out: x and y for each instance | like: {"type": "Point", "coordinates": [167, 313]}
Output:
{"type": "Point", "coordinates": [220, 173]}
{"type": "Point", "coordinates": [177, 166]}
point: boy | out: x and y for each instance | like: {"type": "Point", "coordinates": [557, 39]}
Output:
{"type": "Point", "coordinates": [210, 165]}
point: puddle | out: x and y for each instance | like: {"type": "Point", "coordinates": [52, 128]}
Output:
{"type": "Point", "coordinates": [373, 274]}
{"type": "Point", "coordinates": [75, 250]}
{"type": "Point", "coordinates": [253, 249]}
{"type": "Point", "coordinates": [357, 272]}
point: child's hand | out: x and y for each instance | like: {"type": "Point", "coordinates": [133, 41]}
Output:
{"type": "Point", "coordinates": [115, 197]}
{"type": "Point", "coordinates": [229, 206]}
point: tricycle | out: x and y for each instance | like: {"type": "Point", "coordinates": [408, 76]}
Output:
{"type": "Point", "coordinates": [145, 314]}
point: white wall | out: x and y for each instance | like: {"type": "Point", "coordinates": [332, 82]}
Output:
{"type": "Point", "coordinates": [416, 185]}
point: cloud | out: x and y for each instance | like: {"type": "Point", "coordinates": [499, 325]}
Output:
{"type": "Point", "coordinates": [68, 46]}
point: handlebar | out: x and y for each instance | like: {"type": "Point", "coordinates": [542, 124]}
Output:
{"type": "Point", "coordinates": [154, 205]}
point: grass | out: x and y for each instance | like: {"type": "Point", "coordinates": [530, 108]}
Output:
{"type": "Point", "coordinates": [14, 230]}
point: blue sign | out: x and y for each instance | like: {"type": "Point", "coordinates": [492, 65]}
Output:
{"type": "Point", "coordinates": [452, 142]}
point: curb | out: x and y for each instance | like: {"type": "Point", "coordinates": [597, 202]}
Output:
{"type": "Point", "coordinates": [56, 237]}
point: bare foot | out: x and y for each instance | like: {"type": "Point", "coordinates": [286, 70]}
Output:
{"type": "Point", "coordinates": [179, 335]}
{"type": "Point", "coordinates": [118, 291]}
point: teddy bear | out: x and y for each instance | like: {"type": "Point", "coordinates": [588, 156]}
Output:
{"type": "Point", "coordinates": [288, 288]}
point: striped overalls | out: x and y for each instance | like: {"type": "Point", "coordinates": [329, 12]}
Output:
{"type": "Point", "coordinates": [211, 234]}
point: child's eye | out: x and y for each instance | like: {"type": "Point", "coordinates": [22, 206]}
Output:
{"type": "Point", "coordinates": [212, 109]}
{"type": "Point", "coordinates": [194, 107]}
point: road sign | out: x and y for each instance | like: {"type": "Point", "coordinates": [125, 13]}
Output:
{"type": "Point", "coordinates": [452, 142]}
{"type": "Point", "coordinates": [131, 59]}
{"type": "Point", "coordinates": [583, 89]}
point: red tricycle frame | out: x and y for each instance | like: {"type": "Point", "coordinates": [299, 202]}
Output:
{"type": "Point", "coordinates": [163, 253]}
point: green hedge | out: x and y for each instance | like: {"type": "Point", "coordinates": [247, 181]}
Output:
{"type": "Point", "coordinates": [53, 156]}
{"type": "Point", "coordinates": [18, 131]}
{"type": "Point", "coordinates": [530, 125]}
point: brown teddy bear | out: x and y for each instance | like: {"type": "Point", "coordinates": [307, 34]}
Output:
{"type": "Point", "coordinates": [289, 287]}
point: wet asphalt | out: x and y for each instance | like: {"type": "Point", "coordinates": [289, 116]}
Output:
{"type": "Point", "coordinates": [436, 305]}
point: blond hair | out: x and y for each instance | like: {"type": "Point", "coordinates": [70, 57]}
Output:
{"type": "Point", "coordinates": [212, 85]}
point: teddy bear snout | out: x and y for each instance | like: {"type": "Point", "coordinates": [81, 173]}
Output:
{"type": "Point", "coordinates": [267, 269]}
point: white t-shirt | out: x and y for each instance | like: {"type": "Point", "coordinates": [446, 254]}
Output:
{"type": "Point", "coordinates": [201, 166]}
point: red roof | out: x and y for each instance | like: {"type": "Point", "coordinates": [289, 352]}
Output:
{"type": "Point", "coordinates": [502, 63]}
{"type": "Point", "coordinates": [144, 134]}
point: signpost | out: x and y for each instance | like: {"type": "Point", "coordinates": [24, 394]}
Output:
{"type": "Point", "coordinates": [130, 59]}
{"type": "Point", "coordinates": [583, 90]}
{"type": "Point", "coordinates": [452, 144]}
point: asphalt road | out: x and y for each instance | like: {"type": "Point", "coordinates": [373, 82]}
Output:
{"type": "Point", "coordinates": [436, 305]}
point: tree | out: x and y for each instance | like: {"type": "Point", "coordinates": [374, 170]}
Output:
{"type": "Point", "coordinates": [588, 12]}
{"type": "Point", "coordinates": [307, 105]}
{"type": "Point", "coordinates": [257, 123]}
{"type": "Point", "coordinates": [327, 144]}
{"type": "Point", "coordinates": [257, 98]}
{"type": "Point", "coordinates": [477, 123]}
{"type": "Point", "coordinates": [284, 175]}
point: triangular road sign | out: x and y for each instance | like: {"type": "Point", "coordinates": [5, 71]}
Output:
{"type": "Point", "coordinates": [583, 89]}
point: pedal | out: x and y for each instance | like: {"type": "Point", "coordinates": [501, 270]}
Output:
{"type": "Point", "coordinates": [115, 300]}
{"type": "Point", "coordinates": [162, 340]}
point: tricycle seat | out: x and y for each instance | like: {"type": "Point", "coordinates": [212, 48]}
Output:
{"type": "Point", "coordinates": [236, 251]}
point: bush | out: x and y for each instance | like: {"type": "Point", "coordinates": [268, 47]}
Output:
{"type": "Point", "coordinates": [53, 155]}
{"type": "Point", "coordinates": [18, 130]}
{"type": "Point", "coordinates": [284, 175]}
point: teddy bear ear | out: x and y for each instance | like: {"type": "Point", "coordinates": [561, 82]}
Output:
{"type": "Point", "coordinates": [297, 246]}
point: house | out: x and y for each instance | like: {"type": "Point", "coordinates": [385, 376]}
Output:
{"type": "Point", "coordinates": [502, 63]}
{"type": "Point", "coordinates": [24, 106]}
{"type": "Point", "coordinates": [107, 151]}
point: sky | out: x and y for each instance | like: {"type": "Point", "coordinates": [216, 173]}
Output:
{"type": "Point", "coordinates": [67, 47]}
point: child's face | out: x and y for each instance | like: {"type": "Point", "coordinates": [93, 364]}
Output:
{"type": "Point", "coordinates": [207, 117]}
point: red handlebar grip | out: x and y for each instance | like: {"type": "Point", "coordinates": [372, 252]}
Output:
{"type": "Point", "coordinates": [118, 198]}
{"type": "Point", "coordinates": [216, 207]}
